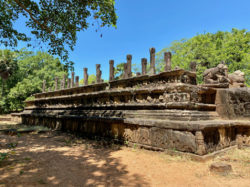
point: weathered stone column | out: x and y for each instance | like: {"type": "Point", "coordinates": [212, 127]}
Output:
{"type": "Point", "coordinates": [167, 59]}
{"type": "Point", "coordinates": [72, 79]}
{"type": "Point", "coordinates": [111, 70]}
{"type": "Point", "coordinates": [144, 66]}
{"type": "Point", "coordinates": [77, 81]}
{"type": "Point", "coordinates": [199, 139]}
{"type": "Point", "coordinates": [85, 70]}
{"type": "Point", "coordinates": [58, 124]}
{"type": "Point", "coordinates": [98, 73]}
{"type": "Point", "coordinates": [125, 73]}
{"type": "Point", "coordinates": [49, 89]}
{"type": "Point", "coordinates": [44, 86]}
{"type": "Point", "coordinates": [192, 66]}
{"type": "Point", "coordinates": [129, 65]}
{"type": "Point", "coordinates": [61, 85]}
{"type": "Point", "coordinates": [69, 83]}
{"type": "Point", "coordinates": [239, 137]}
{"type": "Point", "coordinates": [152, 61]}
{"type": "Point", "coordinates": [63, 82]}
{"type": "Point", "coordinates": [56, 84]}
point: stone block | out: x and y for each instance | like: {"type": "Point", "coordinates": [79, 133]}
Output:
{"type": "Point", "coordinates": [220, 168]}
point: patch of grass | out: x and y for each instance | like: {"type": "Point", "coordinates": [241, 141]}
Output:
{"type": "Point", "coordinates": [21, 172]}
{"type": "Point", "coordinates": [41, 181]}
{"type": "Point", "coordinates": [12, 145]}
{"type": "Point", "coordinates": [27, 158]}
{"type": "Point", "coordinates": [3, 156]}
{"type": "Point", "coordinates": [126, 143]}
{"type": "Point", "coordinates": [237, 155]}
{"type": "Point", "coordinates": [135, 146]}
{"type": "Point", "coordinates": [240, 161]}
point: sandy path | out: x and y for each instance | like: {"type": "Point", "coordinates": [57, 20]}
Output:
{"type": "Point", "coordinates": [59, 160]}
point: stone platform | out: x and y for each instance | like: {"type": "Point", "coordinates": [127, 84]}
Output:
{"type": "Point", "coordinates": [162, 111]}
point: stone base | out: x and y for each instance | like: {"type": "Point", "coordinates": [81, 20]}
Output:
{"type": "Point", "coordinates": [185, 136]}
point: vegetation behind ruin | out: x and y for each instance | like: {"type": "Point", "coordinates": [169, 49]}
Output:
{"type": "Point", "coordinates": [209, 49]}
{"type": "Point", "coordinates": [27, 70]}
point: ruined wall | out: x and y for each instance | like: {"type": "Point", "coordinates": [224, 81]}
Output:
{"type": "Point", "coordinates": [157, 111]}
{"type": "Point", "coordinates": [233, 103]}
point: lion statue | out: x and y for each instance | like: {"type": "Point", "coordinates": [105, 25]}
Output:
{"type": "Point", "coordinates": [216, 75]}
{"type": "Point", "coordinates": [237, 79]}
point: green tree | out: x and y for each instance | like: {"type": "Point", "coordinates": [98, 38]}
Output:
{"type": "Point", "coordinates": [8, 66]}
{"type": "Point", "coordinates": [91, 79]}
{"type": "Point", "coordinates": [119, 70]}
{"type": "Point", "coordinates": [31, 70]}
{"type": "Point", "coordinates": [209, 49]}
{"type": "Point", "coordinates": [53, 22]}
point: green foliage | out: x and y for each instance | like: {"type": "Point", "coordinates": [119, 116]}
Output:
{"type": "Point", "coordinates": [119, 70]}
{"type": "Point", "coordinates": [8, 63]}
{"type": "Point", "coordinates": [208, 50]}
{"type": "Point", "coordinates": [91, 79]}
{"type": "Point", "coordinates": [53, 22]}
{"type": "Point", "coordinates": [27, 78]}
{"type": "Point", "coordinates": [3, 156]}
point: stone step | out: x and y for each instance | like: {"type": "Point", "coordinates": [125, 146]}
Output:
{"type": "Point", "coordinates": [5, 119]}
{"type": "Point", "coordinates": [173, 115]}
{"type": "Point", "coordinates": [181, 115]}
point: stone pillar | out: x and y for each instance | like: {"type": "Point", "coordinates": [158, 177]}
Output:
{"type": "Point", "coordinates": [44, 86]}
{"type": "Point", "coordinates": [49, 89]}
{"type": "Point", "coordinates": [111, 70]}
{"type": "Point", "coordinates": [239, 137]}
{"type": "Point", "coordinates": [63, 82]}
{"type": "Point", "coordinates": [69, 83]}
{"type": "Point", "coordinates": [167, 59]}
{"type": "Point", "coordinates": [85, 70]}
{"type": "Point", "coordinates": [199, 139]}
{"type": "Point", "coordinates": [72, 79]}
{"type": "Point", "coordinates": [61, 85]}
{"type": "Point", "coordinates": [144, 66]}
{"type": "Point", "coordinates": [98, 73]}
{"type": "Point", "coordinates": [129, 65]}
{"type": "Point", "coordinates": [58, 124]}
{"type": "Point", "coordinates": [56, 84]}
{"type": "Point", "coordinates": [77, 81]}
{"type": "Point", "coordinates": [152, 61]}
{"type": "Point", "coordinates": [192, 66]}
{"type": "Point", "coordinates": [125, 73]}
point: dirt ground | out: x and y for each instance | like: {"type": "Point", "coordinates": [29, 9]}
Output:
{"type": "Point", "coordinates": [59, 159]}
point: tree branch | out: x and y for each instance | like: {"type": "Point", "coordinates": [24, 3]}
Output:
{"type": "Point", "coordinates": [43, 27]}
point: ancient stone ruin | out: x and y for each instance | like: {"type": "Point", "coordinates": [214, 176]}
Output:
{"type": "Point", "coordinates": [157, 111]}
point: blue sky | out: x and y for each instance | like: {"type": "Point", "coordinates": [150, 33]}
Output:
{"type": "Point", "coordinates": [155, 23]}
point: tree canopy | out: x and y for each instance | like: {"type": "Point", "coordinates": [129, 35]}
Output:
{"type": "Point", "coordinates": [54, 22]}
{"type": "Point", "coordinates": [30, 69]}
{"type": "Point", "coordinates": [209, 49]}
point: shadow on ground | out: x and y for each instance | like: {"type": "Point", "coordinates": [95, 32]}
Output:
{"type": "Point", "coordinates": [56, 159]}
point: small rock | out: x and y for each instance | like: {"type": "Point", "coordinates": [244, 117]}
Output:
{"type": "Point", "coordinates": [220, 167]}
